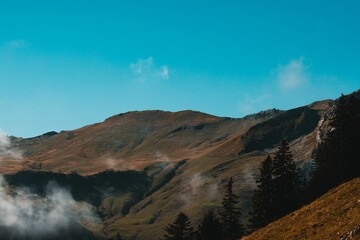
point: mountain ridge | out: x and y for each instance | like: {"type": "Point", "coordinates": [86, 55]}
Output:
{"type": "Point", "coordinates": [188, 155]}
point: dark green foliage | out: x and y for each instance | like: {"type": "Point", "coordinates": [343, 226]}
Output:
{"type": "Point", "coordinates": [118, 237]}
{"type": "Point", "coordinates": [278, 191]}
{"type": "Point", "coordinates": [230, 217]}
{"type": "Point", "coordinates": [91, 189]}
{"type": "Point", "coordinates": [73, 231]}
{"type": "Point", "coordinates": [337, 159]}
{"type": "Point", "coordinates": [210, 228]}
{"type": "Point", "coordinates": [262, 201]}
{"type": "Point", "coordinates": [180, 229]}
{"type": "Point", "coordinates": [286, 182]}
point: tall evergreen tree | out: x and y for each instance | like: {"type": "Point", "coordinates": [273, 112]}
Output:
{"type": "Point", "coordinates": [230, 217]}
{"type": "Point", "coordinates": [118, 237]}
{"type": "Point", "coordinates": [180, 229]}
{"type": "Point", "coordinates": [324, 173]}
{"type": "Point", "coordinates": [286, 182]}
{"type": "Point", "coordinates": [210, 227]}
{"type": "Point", "coordinates": [337, 159]}
{"type": "Point", "coordinates": [262, 201]}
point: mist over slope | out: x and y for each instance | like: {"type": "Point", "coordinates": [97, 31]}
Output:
{"type": "Point", "coordinates": [54, 215]}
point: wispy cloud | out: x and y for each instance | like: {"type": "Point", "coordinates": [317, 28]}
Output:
{"type": "Point", "coordinates": [6, 150]}
{"type": "Point", "coordinates": [24, 213]}
{"type": "Point", "coordinates": [292, 75]}
{"type": "Point", "coordinates": [197, 185]}
{"type": "Point", "coordinates": [17, 44]}
{"type": "Point", "coordinates": [146, 69]}
{"type": "Point", "coordinates": [164, 73]}
{"type": "Point", "coordinates": [142, 66]}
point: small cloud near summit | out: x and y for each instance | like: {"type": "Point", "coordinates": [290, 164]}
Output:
{"type": "Point", "coordinates": [142, 66]}
{"type": "Point", "coordinates": [292, 75]}
{"type": "Point", "coordinates": [146, 69]}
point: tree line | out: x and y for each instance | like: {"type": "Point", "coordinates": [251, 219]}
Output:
{"type": "Point", "coordinates": [226, 226]}
{"type": "Point", "coordinates": [280, 187]}
{"type": "Point", "coordinates": [277, 194]}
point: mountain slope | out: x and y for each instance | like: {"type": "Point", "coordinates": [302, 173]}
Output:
{"type": "Point", "coordinates": [135, 140]}
{"type": "Point", "coordinates": [188, 157]}
{"type": "Point", "coordinates": [131, 141]}
{"type": "Point", "coordinates": [332, 216]}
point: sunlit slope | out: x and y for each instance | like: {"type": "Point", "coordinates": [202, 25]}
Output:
{"type": "Point", "coordinates": [136, 139]}
{"type": "Point", "coordinates": [332, 216]}
{"type": "Point", "coordinates": [132, 141]}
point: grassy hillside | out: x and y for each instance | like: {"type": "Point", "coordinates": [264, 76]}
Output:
{"type": "Point", "coordinates": [332, 216]}
{"type": "Point", "coordinates": [189, 156]}
{"type": "Point", "coordinates": [135, 140]}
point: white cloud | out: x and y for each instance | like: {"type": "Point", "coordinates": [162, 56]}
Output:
{"type": "Point", "coordinates": [25, 213]}
{"type": "Point", "coordinates": [292, 75]}
{"type": "Point", "coordinates": [142, 66]}
{"type": "Point", "coordinates": [17, 43]}
{"type": "Point", "coordinates": [164, 72]}
{"type": "Point", "coordinates": [146, 69]}
{"type": "Point", "coordinates": [197, 185]}
{"type": "Point", "coordinates": [6, 150]}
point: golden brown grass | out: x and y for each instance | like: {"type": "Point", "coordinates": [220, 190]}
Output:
{"type": "Point", "coordinates": [329, 217]}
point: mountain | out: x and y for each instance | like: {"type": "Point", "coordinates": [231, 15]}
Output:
{"type": "Point", "coordinates": [183, 160]}
{"type": "Point", "coordinates": [335, 215]}
{"type": "Point", "coordinates": [136, 139]}
{"type": "Point", "coordinates": [132, 140]}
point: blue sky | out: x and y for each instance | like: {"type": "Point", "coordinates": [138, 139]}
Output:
{"type": "Point", "coordinates": [65, 64]}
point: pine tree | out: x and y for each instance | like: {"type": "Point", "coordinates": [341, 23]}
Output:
{"type": "Point", "coordinates": [337, 158]}
{"type": "Point", "coordinates": [118, 237]}
{"type": "Point", "coordinates": [230, 217]}
{"type": "Point", "coordinates": [324, 173]}
{"type": "Point", "coordinates": [286, 182]}
{"type": "Point", "coordinates": [262, 201]}
{"type": "Point", "coordinates": [210, 227]}
{"type": "Point", "coordinates": [344, 140]}
{"type": "Point", "coordinates": [180, 229]}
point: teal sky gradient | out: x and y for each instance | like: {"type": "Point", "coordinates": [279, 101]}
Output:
{"type": "Point", "coordinates": [65, 64]}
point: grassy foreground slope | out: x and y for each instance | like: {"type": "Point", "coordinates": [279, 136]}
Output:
{"type": "Point", "coordinates": [332, 216]}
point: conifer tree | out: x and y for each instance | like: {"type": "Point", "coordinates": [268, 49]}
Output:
{"type": "Point", "coordinates": [262, 201]}
{"type": "Point", "coordinates": [118, 237]}
{"type": "Point", "coordinates": [324, 173]}
{"type": "Point", "coordinates": [286, 182]}
{"type": "Point", "coordinates": [344, 139]}
{"type": "Point", "coordinates": [210, 227]}
{"type": "Point", "coordinates": [337, 158]}
{"type": "Point", "coordinates": [230, 217]}
{"type": "Point", "coordinates": [180, 229]}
